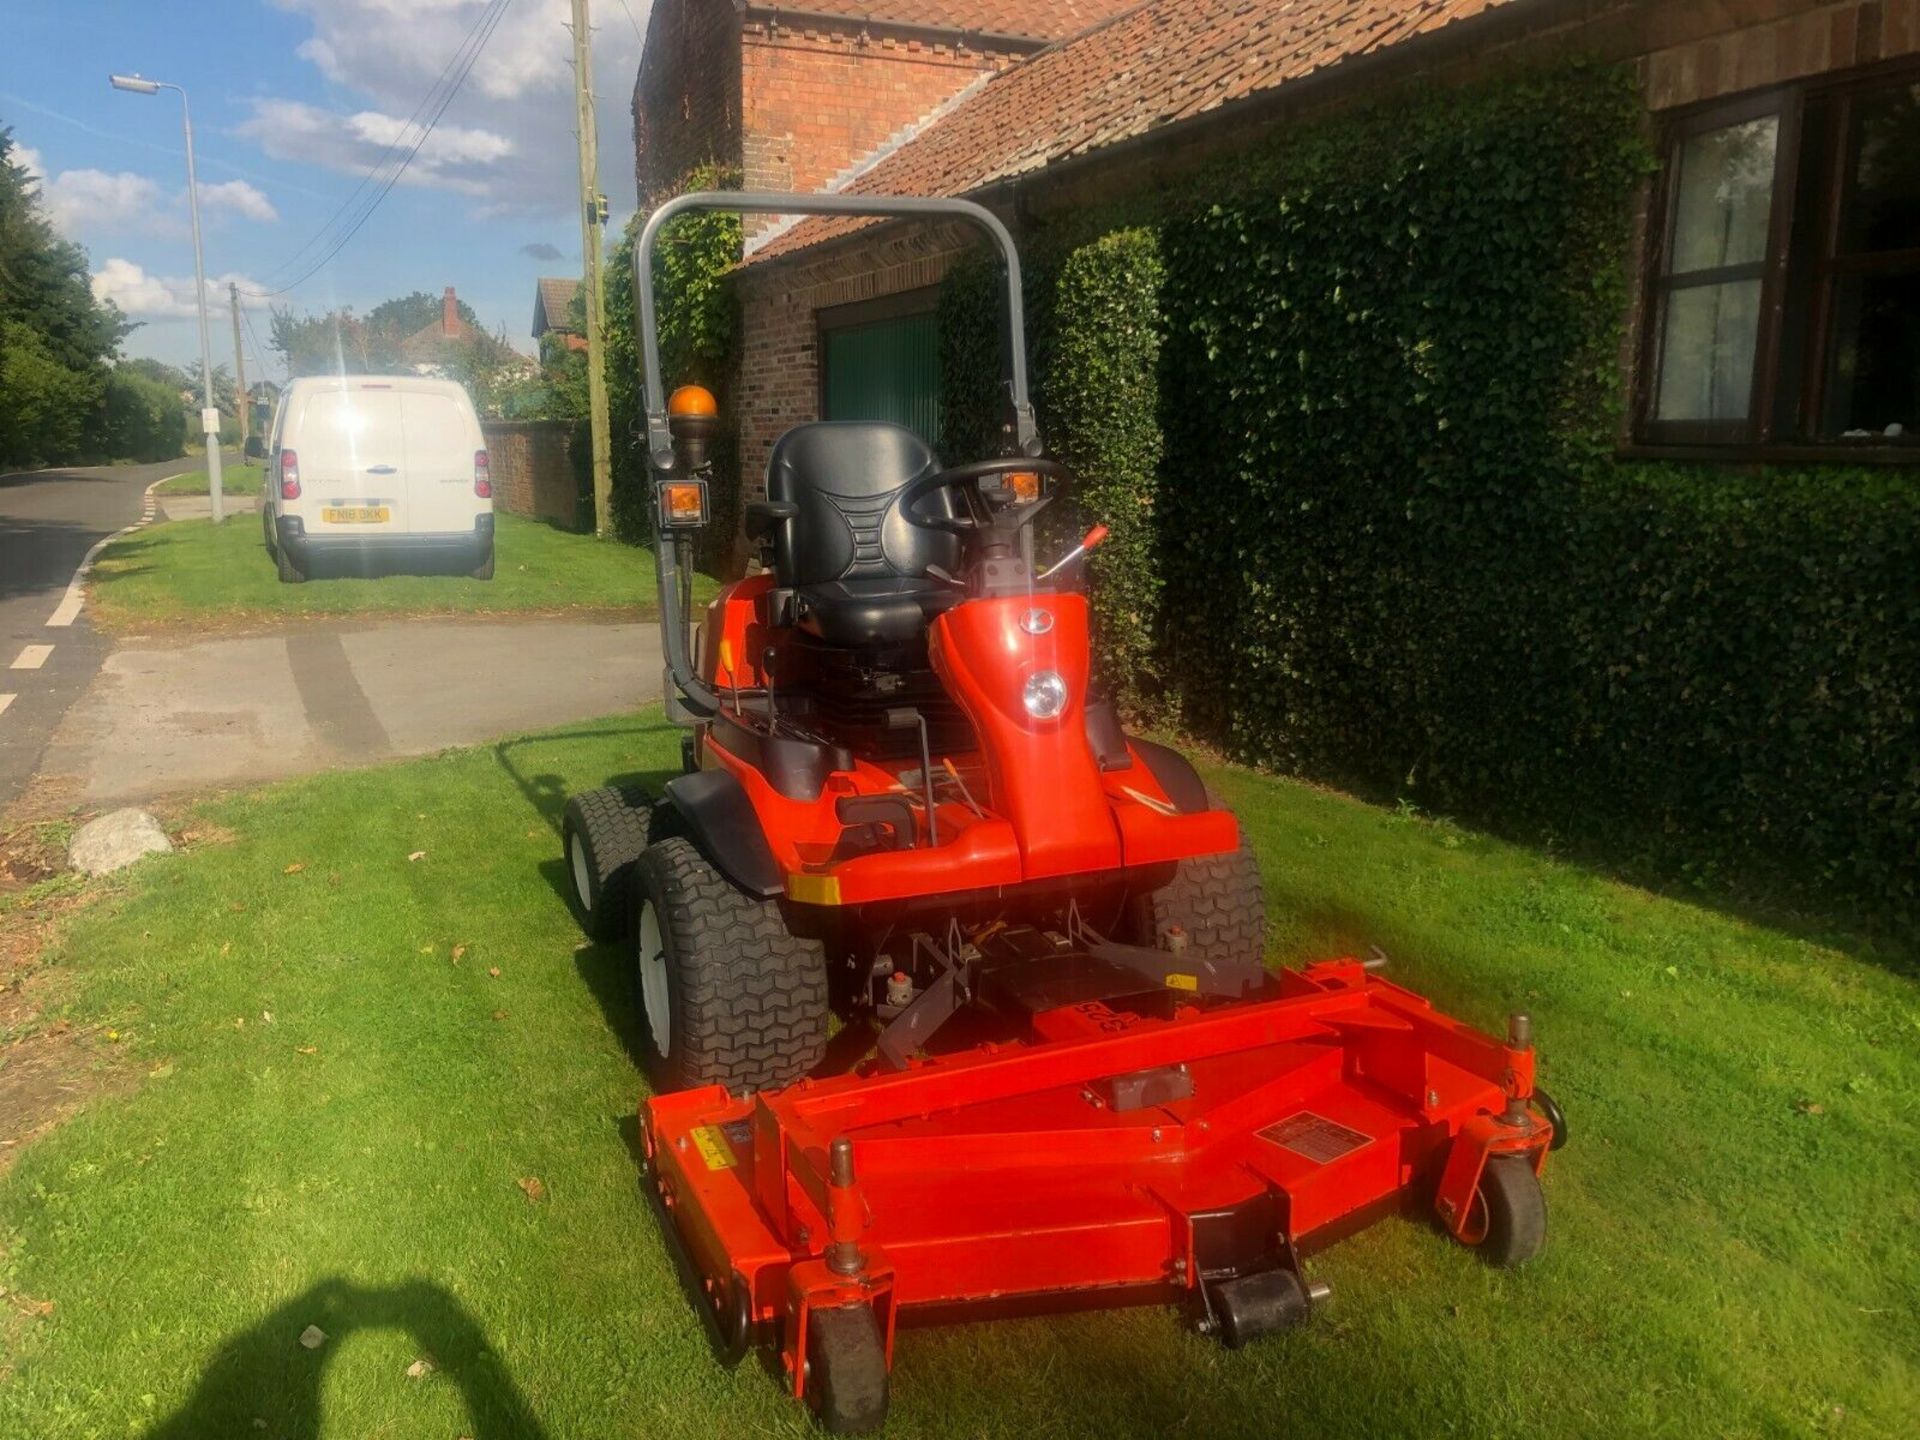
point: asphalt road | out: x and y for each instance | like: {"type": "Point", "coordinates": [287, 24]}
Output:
{"type": "Point", "coordinates": [48, 521]}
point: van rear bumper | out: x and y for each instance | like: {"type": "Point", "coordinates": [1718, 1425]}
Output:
{"type": "Point", "coordinates": [454, 550]}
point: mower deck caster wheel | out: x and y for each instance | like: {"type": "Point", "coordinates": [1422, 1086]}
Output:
{"type": "Point", "coordinates": [1257, 1305]}
{"type": "Point", "coordinates": [603, 833]}
{"type": "Point", "coordinates": [1508, 1223]}
{"type": "Point", "coordinates": [847, 1370]}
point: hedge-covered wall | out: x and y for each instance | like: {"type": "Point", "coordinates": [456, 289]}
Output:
{"type": "Point", "coordinates": [1396, 548]}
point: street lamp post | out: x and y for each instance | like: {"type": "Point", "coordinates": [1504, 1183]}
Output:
{"type": "Point", "coordinates": [209, 412]}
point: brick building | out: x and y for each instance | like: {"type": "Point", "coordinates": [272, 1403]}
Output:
{"type": "Point", "coordinates": [794, 97]}
{"type": "Point", "coordinates": [1162, 86]}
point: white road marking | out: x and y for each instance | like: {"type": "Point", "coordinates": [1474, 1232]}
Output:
{"type": "Point", "coordinates": [5, 700]}
{"type": "Point", "coordinates": [76, 596]}
{"type": "Point", "coordinates": [31, 658]}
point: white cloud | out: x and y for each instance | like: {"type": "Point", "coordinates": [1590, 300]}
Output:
{"type": "Point", "coordinates": [355, 144]}
{"type": "Point", "coordinates": [506, 140]}
{"type": "Point", "coordinates": [28, 159]}
{"type": "Point", "coordinates": [154, 297]}
{"type": "Point", "coordinates": [239, 197]}
{"type": "Point", "coordinates": [79, 201]}
{"type": "Point", "coordinates": [95, 199]}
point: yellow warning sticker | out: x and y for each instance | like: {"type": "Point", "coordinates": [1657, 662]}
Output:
{"type": "Point", "coordinates": [713, 1147]}
{"type": "Point", "coordinates": [1177, 981]}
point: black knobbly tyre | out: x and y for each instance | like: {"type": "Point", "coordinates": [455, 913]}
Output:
{"type": "Point", "coordinates": [730, 996]}
{"type": "Point", "coordinates": [602, 836]}
{"type": "Point", "coordinates": [484, 570]}
{"type": "Point", "coordinates": [847, 1370]}
{"type": "Point", "coordinates": [290, 573]}
{"type": "Point", "coordinates": [1508, 1224]}
{"type": "Point", "coordinates": [1216, 900]}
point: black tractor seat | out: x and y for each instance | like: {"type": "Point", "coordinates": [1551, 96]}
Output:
{"type": "Point", "coordinates": [856, 568]}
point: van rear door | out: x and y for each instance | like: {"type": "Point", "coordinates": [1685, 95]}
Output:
{"type": "Point", "coordinates": [441, 441]}
{"type": "Point", "coordinates": [352, 461]}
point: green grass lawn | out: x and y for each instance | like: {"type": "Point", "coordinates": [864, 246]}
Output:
{"type": "Point", "coordinates": [241, 479]}
{"type": "Point", "coordinates": [192, 572]}
{"type": "Point", "coordinates": [336, 1099]}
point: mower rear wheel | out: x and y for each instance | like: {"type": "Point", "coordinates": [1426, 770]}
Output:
{"type": "Point", "coordinates": [1216, 900]}
{"type": "Point", "coordinates": [847, 1369]}
{"type": "Point", "coordinates": [1508, 1223]}
{"type": "Point", "coordinates": [731, 996]}
{"type": "Point", "coordinates": [602, 836]}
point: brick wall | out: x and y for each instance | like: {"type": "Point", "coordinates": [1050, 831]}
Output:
{"type": "Point", "coordinates": [686, 99]}
{"type": "Point", "coordinates": [815, 102]}
{"type": "Point", "coordinates": [534, 470]}
{"type": "Point", "coordinates": [779, 383]}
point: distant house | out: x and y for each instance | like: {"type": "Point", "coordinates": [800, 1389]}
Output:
{"type": "Point", "coordinates": [553, 298]}
{"type": "Point", "coordinates": [444, 346]}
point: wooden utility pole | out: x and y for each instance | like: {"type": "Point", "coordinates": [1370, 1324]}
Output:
{"type": "Point", "coordinates": [592, 216]}
{"type": "Point", "coordinates": [242, 401]}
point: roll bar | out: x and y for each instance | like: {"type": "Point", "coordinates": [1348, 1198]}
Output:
{"type": "Point", "coordinates": [902, 207]}
{"type": "Point", "coordinates": [699, 698]}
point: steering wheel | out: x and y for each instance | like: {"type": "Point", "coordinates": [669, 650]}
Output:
{"type": "Point", "coordinates": [912, 498]}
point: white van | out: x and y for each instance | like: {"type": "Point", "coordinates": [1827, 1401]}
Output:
{"type": "Point", "coordinates": [388, 469]}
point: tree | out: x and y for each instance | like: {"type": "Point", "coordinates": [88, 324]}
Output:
{"type": "Point", "coordinates": [145, 416]}
{"type": "Point", "coordinates": [56, 340]}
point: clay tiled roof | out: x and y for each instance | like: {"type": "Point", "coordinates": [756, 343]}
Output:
{"type": "Point", "coordinates": [1157, 64]}
{"type": "Point", "coordinates": [554, 297]}
{"type": "Point", "coordinates": [1034, 19]}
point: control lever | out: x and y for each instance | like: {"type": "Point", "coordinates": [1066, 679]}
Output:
{"type": "Point", "coordinates": [1079, 552]}
{"type": "Point", "coordinates": [905, 717]}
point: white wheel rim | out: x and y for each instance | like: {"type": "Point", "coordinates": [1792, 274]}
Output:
{"type": "Point", "coordinates": [577, 854]}
{"type": "Point", "coordinates": [653, 982]}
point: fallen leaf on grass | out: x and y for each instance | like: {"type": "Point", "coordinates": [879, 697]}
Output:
{"type": "Point", "coordinates": [494, 971]}
{"type": "Point", "coordinates": [313, 1337]}
{"type": "Point", "coordinates": [458, 951]}
{"type": "Point", "coordinates": [226, 947]}
{"type": "Point", "coordinates": [239, 1022]}
{"type": "Point", "coordinates": [532, 1188]}
{"type": "Point", "coordinates": [418, 855]}
{"type": "Point", "coordinates": [295, 868]}
{"type": "Point", "coordinates": [266, 1017]}
{"type": "Point", "coordinates": [420, 1368]}
{"type": "Point", "coordinates": [1809, 1107]}
{"type": "Point", "coordinates": [426, 949]}
{"type": "Point", "coordinates": [113, 1034]}
{"type": "Point", "coordinates": [499, 1014]}
{"type": "Point", "coordinates": [306, 1049]}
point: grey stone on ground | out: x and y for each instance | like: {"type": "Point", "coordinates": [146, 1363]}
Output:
{"type": "Point", "coordinates": [115, 840]}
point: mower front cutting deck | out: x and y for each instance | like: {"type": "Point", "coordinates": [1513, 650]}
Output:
{"type": "Point", "coordinates": [1191, 1156]}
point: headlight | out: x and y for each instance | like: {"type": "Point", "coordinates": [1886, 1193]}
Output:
{"type": "Point", "coordinates": [1045, 695]}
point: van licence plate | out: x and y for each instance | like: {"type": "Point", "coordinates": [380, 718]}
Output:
{"type": "Point", "coordinates": [356, 515]}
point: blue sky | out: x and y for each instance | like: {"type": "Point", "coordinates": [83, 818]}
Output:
{"type": "Point", "coordinates": [294, 101]}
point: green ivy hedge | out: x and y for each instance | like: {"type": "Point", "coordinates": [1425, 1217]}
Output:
{"type": "Point", "coordinates": [1356, 396]}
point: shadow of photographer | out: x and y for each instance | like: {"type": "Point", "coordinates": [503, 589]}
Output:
{"type": "Point", "coordinates": [264, 1383]}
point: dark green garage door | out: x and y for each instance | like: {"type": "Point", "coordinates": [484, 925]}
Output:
{"type": "Point", "coordinates": [885, 370]}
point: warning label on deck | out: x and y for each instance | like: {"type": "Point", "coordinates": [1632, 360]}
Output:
{"type": "Point", "coordinates": [1314, 1137]}
{"type": "Point", "coordinates": [713, 1147]}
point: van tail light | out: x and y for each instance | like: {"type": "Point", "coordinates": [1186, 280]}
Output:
{"type": "Point", "coordinates": [289, 475]}
{"type": "Point", "coordinates": [482, 475]}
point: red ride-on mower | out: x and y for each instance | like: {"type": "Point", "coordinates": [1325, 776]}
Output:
{"type": "Point", "coordinates": [1066, 1072]}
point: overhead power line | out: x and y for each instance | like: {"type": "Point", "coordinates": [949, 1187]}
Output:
{"type": "Point", "coordinates": [437, 99]}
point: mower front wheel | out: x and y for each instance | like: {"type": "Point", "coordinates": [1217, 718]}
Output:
{"type": "Point", "coordinates": [847, 1370]}
{"type": "Point", "coordinates": [1508, 1223]}
{"type": "Point", "coordinates": [602, 835]}
{"type": "Point", "coordinates": [730, 996]}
